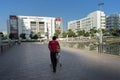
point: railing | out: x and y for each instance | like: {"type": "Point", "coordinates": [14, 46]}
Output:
{"type": "Point", "coordinates": [6, 45]}
{"type": "Point", "coordinates": [108, 48]}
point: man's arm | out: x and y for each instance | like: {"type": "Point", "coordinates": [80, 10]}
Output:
{"type": "Point", "coordinates": [58, 45]}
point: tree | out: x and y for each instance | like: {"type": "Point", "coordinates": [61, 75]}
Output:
{"type": "Point", "coordinates": [80, 32]}
{"type": "Point", "coordinates": [3, 36]}
{"type": "Point", "coordinates": [86, 34]}
{"type": "Point", "coordinates": [93, 31]}
{"type": "Point", "coordinates": [35, 36]}
{"type": "Point", "coordinates": [70, 33]}
{"type": "Point", "coordinates": [57, 33]}
{"type": "Point", "coordinates": [31, 35]}
{"type": "Point", "coordinates": [11, 36]}
{"type": "Point", "coordinates": [113, 31]}
{"type": "Point", "coordinates": [64, 34]}
{"type": "Point", "coordinates": [104, 31]}
{"type": "Point", "coordinates": [22, 35]}
{"type": "Point", "coordinates": [39, 34]}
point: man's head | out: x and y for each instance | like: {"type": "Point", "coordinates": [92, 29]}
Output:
{"type": "Point", "coordinates": [54, 38]}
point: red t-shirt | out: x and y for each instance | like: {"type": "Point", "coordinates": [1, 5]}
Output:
{"type": "Point", "coordinates": [53, 45]}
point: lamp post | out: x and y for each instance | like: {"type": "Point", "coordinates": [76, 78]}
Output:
{"type": "Point", "coordinates": [47, 31]}
{"type": "Point", "coordinates": [101, 35]}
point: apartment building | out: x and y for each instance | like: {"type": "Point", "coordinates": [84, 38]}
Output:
{"type": "Point", "coordinates": [113, 21]}
{"type": "Point", "coordinates": [74, 25]}
{"type": "Point", "coordinates": [33, 24]}
{"type": "Point", "coordinates": [94, 19]}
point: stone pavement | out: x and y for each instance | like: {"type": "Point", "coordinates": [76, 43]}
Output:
{"type": "Point", "coordinates": [31, 61]}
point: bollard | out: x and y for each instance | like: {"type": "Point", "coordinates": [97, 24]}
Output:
{"type": "Point", "coordinates": [0, 40]}
{"type": "Point", "coordinates": [1, 48]}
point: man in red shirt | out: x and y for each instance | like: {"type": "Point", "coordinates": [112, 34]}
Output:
{"type": "Point", "coordinates": [54, 46]}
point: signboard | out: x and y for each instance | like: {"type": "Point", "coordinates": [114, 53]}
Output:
{"type": "Point", "coordinates": [13, 24]}
{"type": "Point", "coordinates": [58, 23]}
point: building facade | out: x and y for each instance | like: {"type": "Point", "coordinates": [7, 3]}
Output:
{"type": "Point", "coordinates": [34, 24]}
{"type": "Point", "coordinates": [74, 25]}
{"type": "Point", "coordinates": [94, 19]}
{"type": "Point", "coordinates": [113, 21]}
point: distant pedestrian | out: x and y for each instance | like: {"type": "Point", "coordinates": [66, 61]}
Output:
{"type": "Point", "coordinates": [54, 48]}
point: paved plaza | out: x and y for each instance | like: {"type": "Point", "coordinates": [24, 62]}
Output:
{"type": "Point", "coordinates": [31, 61]}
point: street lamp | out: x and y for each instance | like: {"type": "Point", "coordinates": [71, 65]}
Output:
{"type": "Point", "coordinates": [101, 35]}
{"type": "Point", "coordinates": [47, 31]}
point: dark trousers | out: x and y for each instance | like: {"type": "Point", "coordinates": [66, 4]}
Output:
{"type": "Point", "coordinates": [54, 60]}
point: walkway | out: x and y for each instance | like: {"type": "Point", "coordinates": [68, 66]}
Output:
{"type": "Point", "coordinates": [30, 61]}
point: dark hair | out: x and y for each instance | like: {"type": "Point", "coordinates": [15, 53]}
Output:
{"type": "Point", "coordinates": [54, 38]}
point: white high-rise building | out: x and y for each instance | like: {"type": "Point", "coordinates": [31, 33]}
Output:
{"type": "Point", "coordinates": [94, 19]}
{"type": "Point", "coordinates": [34, 24]}
{"type": "Point", "coordinates": [74, 25]}
{"type": "Point", "coordinates": [98, 19]}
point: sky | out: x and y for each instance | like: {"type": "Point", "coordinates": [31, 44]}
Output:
{"type": "Point", "coordinates": [66, 9]}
